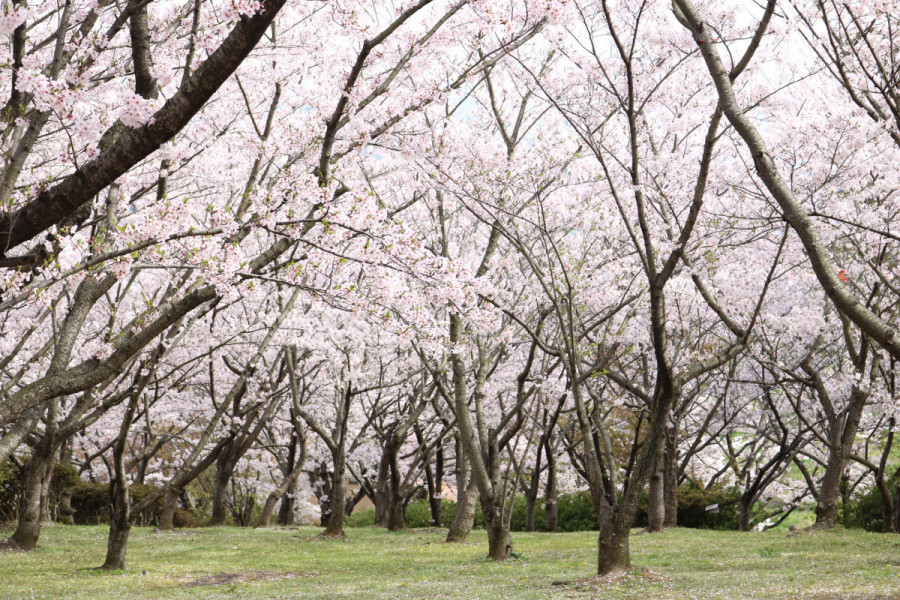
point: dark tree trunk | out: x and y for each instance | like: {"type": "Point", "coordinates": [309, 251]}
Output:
{"type": "Point", "coordinates": [382, 494]}
{"type": "Point", "coordinates": [336, 506]}
{"type": "Point", "coordinates": [286, 510]}
{"type": "Point", "coordinates": [46, 509]}
{"type": "Point", "coordinates": [225, 465]}
{"type": "Point", "coordinates": [746, 508]}
{"type": "Point", "coordinates": [288, 489]}
{"type": "Point", "coordinates": [65, 510]}
{"type": "Point", "coordinates": [531, 492]}
{"type": "Point", "coordinates": [887, 507]}
{"type": "Point", "coordinates": [499, 541]}
{"type": "Point", "coordinates": [464, 520]}
{"type": "Point", "coordinates": [671, 478]}
{"type": "Point", "coordinates": [28, 529]}
{"type": "Point", "coordinates": [268, 508]}
{"type": "Point", "coordinates": [167, 516]}
{"type": "Point", "coordinates": [276, 494]}
{"type": "Point", "coordinates": [119, 525]}
{"type": "Point", "coordinates": [551, 521]}
{"type": "Point", "coordinates": [830, 491]}
{"type": "Point", "coordinates": [530, 506]}
{"type": "Point", "coordinates": [656, 511]}
{"type": "Point", "coordinates": [120, 504]}
{"type": "Point", "coordinates": [613, 555]}
{"type": "Point", "coordinates": [396, 507]}
{"type": "Point", "coordinates": [435, 483]}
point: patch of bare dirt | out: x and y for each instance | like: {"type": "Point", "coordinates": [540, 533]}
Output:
{"type": "Point", "coordinates": [9, 546]}
{"type": "Point", "coordinates": [245, 577]}
{"type": "Point", "coordinates": [595, 584]}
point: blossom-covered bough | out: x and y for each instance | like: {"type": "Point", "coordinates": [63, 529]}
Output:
{"type": "Point", "coordinates": [312, 253]}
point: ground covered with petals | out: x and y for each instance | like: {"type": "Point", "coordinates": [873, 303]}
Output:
{"type": "Point", "coordinates": [371, 563]}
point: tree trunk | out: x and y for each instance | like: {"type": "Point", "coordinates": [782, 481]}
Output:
{"type": "Point", "coordinates": [224, 470]}
{"type": "Point", "coordinates": [435, 483]}
{"type": "Point", "coordinates": [746, 507]}
{"type": "Point", "coordinates": [530, 506]}
{"type": "Point", "coordinates": [336, 505]}
{"type": "Point", "coordinates": [66, 512]}
{"type": "Point", "coordinates": [286, 510]}
{"type": "Point", "coordinates": [382, 492]}
{"type": "Point", "coordinates": [499, 541]}
{"type": "Point", "coordinates": [28, 529]}
{"type": "Point", "coordinates": [46, 482]}
{"type": "Point", "coordinates": [613, 555]}
{"type": "Point", "coordinates": [465, 513]}
{"type": "Point", "coordinates": [119, 526]}
{"type": "Point", "coordinates": [120, 504]}
{"type": "Point", "coordinates": [830, 492]}
{"type": "Point", "coordinates": [551, 521]}
{"type": "Point", "coordinates": [277, 494]}
{"type": "Point", "coordinates": [887, 506]}
{"type": "Point", "coordinates": [395, 507]}
{"type": "Point", "coordinates": [167, 516]}
{"type": "Point", "coordinates": [656, 511]}
{"type": "Point", "coordinates": [671, 478]}
{"type": "Point", "coordinates": [897, 512]}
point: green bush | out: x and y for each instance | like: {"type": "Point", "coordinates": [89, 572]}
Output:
{"type": "Point", "coordinates": [10, 488]}
{"type": "Point", "coordinates": [864, 510]}
{"type": "Point", "coordinates": [575, 514]}
{"type": "Point", "coordinates": [418, 514]}
{"type": "Point", "coordinates": [692, 503]}
{"type": "Point", "coordinates": [90, 501]}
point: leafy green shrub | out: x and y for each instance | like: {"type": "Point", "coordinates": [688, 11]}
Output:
{"type": "Point", "coordinates": [864, 510]}
{"type": "Point", "coordinates": [692, 503]}
{"type": "Point", "coordinates": [10, 488]}
{"type": "Point", "coordinates": [90, 502]}
{"type": "Point", "coordinates": [576, 512]}
{"type": "Point", "coordinates": [65, 478]}
{"type": "Point", "coordinates": [184, 518]}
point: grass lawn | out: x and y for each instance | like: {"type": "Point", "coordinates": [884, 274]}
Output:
{"type": "Point", "coordinates": [229, 562]}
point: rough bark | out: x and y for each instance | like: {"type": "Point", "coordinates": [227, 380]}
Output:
{"type": "Point", "coordinates": [129, 145]}
{"type": "Point", "coordinates": [435, 483]}
{"type": "Point", "coordinates": [28, 528]}
{"type": "Point", "coordinates": [828, 507]}
{"type": "Point", "coordinates": [382, 493]}
{"type": "Point", "coordinates": [286, 509]}
{"type": "Point", "coordinates": [746, 508]}
{"type": "Point", "coordinates": [530, 507]}
{"type": "Point", "coordinates": [464, 520]}
{"type": "Point", "coordinates": [887, 508]}
{"type": "Point", "coordinates": [120, 504]}
{"type": "Point", "coordinates": [499, 541]}
{"type": "Point", "coordinates": [396, 507]}
{"type": "Point", "coordinates": [671, 478]}
{"type": "Point", "coordinates": [336, 505]}
{"type": "Point", "coordinates": [656, 511]}
{"type": "Point", "coordinates": [289, 482]}
{"type": "Point", "coordinates": [224, 471]}
{"type": "Point", "coordinates": [167, 516]}
{"type": "Point", "coordinates": [794, 212]}
{"type": "Point", "coordinates": [613, 553]}
{"type": "Point", "coordinates": [551, 521]}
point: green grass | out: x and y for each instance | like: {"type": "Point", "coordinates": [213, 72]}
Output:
{"type": "Point", "coordinates": [375, 564]}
